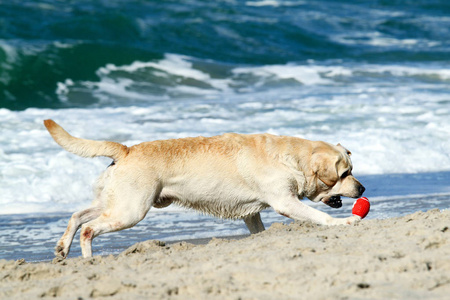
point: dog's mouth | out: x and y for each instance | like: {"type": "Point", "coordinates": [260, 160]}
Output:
{"type": "Point", "coordinates": [333, 201]}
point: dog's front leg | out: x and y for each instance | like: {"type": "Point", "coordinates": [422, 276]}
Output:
{"type": "Point", "coordinates": [254, 223]}
{"type": "Point", "coordinates": [292, 208]}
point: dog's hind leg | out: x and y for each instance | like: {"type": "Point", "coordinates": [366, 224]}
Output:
{"type": "Point", "coordinates": [127, 205]}
{"type": "Point", "coordinates": [106, 222]}
{"type": "Point", "coordinates": [254, 223]}
{"type": "Point", "coordinates": [77, 219]}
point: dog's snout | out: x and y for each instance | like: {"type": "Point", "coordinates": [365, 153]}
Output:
{"type": "Point", "coordinates": [361, 190]}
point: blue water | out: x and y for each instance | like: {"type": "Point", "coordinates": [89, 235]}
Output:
{"type": "Point", "coordinates": [371, 75]}
{"type": "Point", "coordinates": [43, 43]}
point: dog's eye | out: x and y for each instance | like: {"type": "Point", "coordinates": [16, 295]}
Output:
{"type": "Point", "coordinates": [345, 174]}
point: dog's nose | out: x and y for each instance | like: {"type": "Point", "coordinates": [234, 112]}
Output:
{"type": "Point", "coordinates": [361, 190]}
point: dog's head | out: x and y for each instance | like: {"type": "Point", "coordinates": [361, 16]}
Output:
{"type": "Point", "coordinates": [331, 170]}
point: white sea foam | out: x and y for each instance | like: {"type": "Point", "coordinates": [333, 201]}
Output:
{"type": "Point", "coordinates": [378, 39]}
{"type": "Point", "coordinates": [10, 57]}
{"type": "Point", "coordinates": [394, 119]}
{"type": "Point", "coordinates": [274, 3]}
{"type": "Point", "coordinates": [178, 76]}
{"type": "Point", "coordinates": [303, 74]}
{"type": "Point", "coordinates": [177, 67]}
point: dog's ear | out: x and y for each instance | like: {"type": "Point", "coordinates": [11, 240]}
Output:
{"type": "Point", "coordinates": [345, 149]}
{"type": "Point", "coordinates": [323, 166]}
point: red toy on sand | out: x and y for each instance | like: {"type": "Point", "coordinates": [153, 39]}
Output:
{"type": "Point", "coordinates": [361, 207]}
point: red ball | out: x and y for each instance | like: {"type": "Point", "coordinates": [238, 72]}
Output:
{"type": "Point", "coordinates": [361, 207]}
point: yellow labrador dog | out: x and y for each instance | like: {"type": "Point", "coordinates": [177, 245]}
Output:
{"type": "Point", "coordinates": [228, 176]}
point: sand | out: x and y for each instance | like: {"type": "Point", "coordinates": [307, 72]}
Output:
{"type": "Point", "coordinates": [399, 258]}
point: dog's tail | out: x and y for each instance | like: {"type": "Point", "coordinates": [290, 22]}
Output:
{"type": "Point", "coordinates": [85, 148]}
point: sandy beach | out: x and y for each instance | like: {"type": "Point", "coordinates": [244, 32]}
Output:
{"type": "Point", "coordinates": [399, 258]}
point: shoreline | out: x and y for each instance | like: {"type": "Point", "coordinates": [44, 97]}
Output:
{"type": "Point", "coordinates": [395, 258]}
{"type": "Point", "coordinates": [33, 237]}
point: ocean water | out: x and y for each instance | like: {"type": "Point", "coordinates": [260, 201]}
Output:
{"type": "Point", "coordinates": [371, 75]}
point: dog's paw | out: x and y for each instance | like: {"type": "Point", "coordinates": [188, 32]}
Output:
{"type": "Point", "coordinates": [345, 221]}
{"type": "Point", "coordinates": [352, 220]}
{"type": "Point", "coordinates": [60, 252]}
{"type": "Point", "coordinates": [57, 260]}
